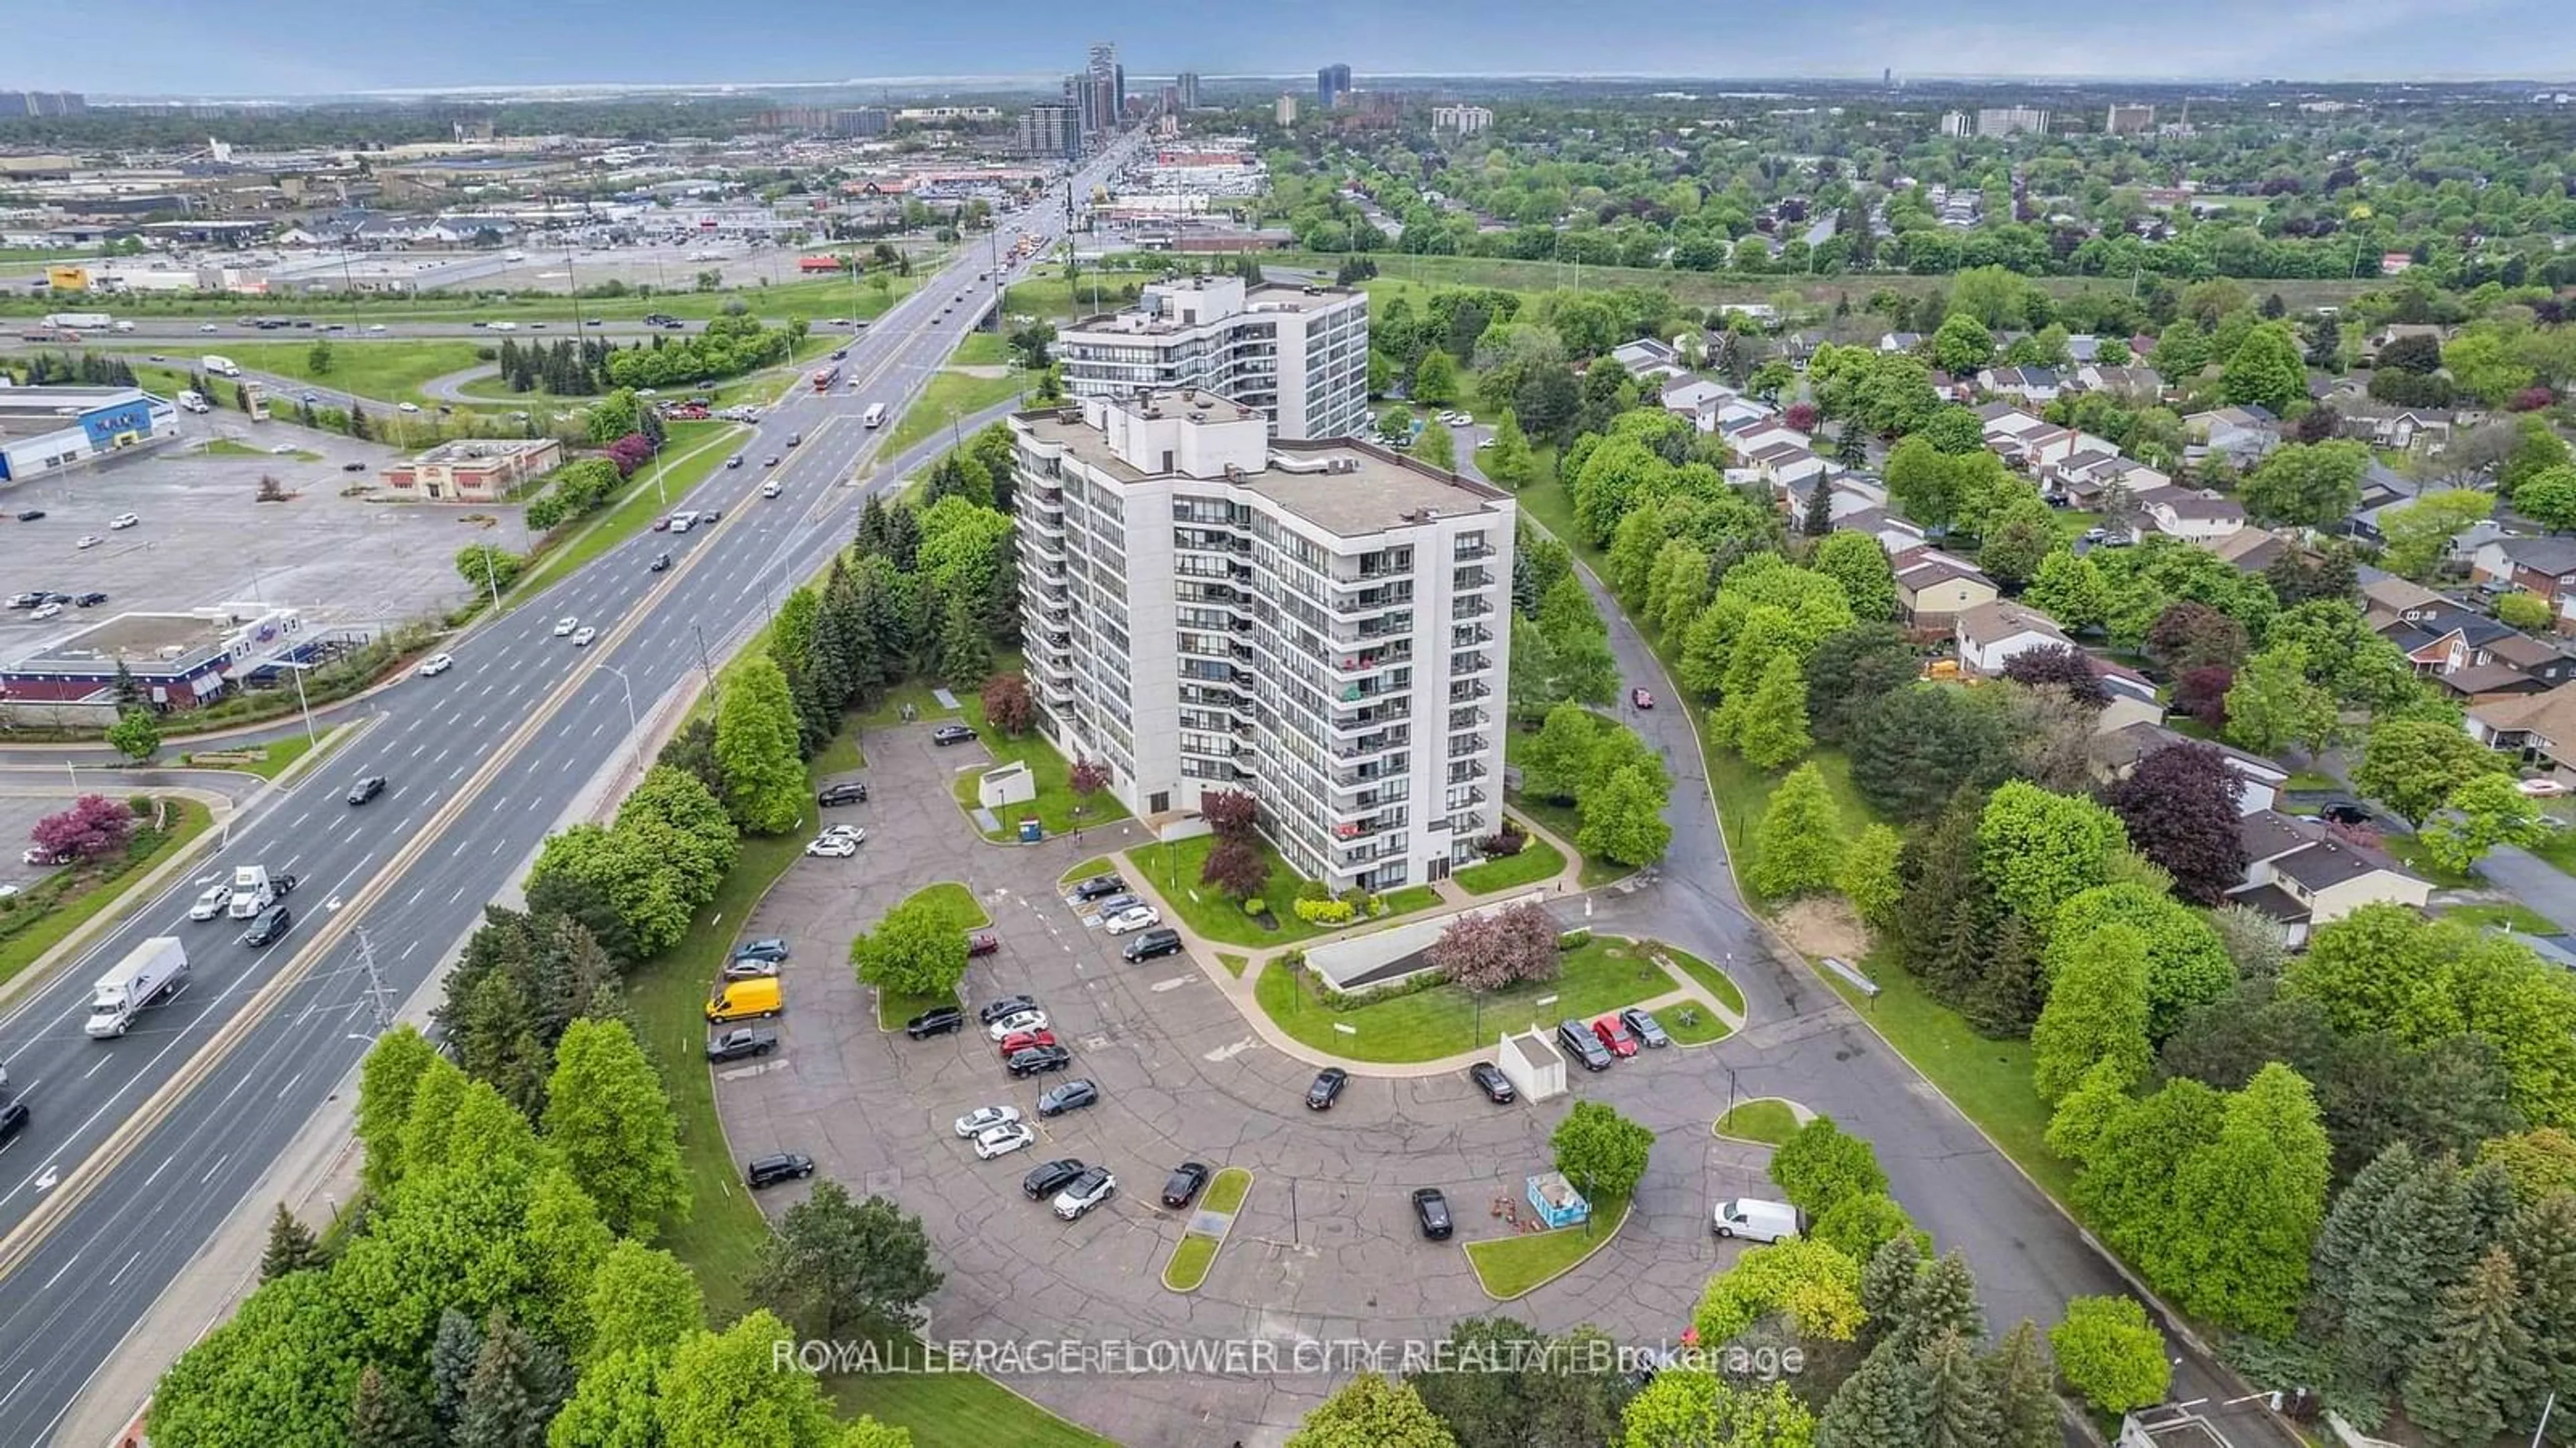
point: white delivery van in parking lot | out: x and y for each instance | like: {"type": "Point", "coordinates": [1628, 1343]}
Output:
{"type": "Point", "coordinates": [1756, 1220]}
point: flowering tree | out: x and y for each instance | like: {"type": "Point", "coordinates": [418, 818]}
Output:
{"type": "Point", "coordinates": [93, 827]}
{"type": "Point", "coordinates": [1088, 777]}
{"type": "Point", "coordinates": [1007, 705]}
{"type": "Point", "coordinates": [1489, 951]}
{"type": "Point", "coordinates": [1230, 813]}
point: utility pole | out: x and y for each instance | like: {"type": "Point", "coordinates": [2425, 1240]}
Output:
{"type": "Point", "coordinates": [704, 667]}
{"type": "Point", "coordinates": [376, 993]}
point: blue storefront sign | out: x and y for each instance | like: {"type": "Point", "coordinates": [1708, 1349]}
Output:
{"type": "Point", "coordinates": [124, 423]}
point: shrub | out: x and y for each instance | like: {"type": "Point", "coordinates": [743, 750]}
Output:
{"type": "Point", "coordinates": [1256, 906]}
{"type": "Point", "coordinates": [1326, 912]}
{"type": "Point", "coordinates": [1502, 844]}
{"type": "Point", "coordinates": [1313, 890]}
{"type": "Point", "coordinates": [1574, 940]}
{"type": "Point", "coordinates": [2110, 1355]}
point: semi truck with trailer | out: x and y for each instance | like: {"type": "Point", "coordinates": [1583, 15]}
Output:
{"type": "Point", "coordinates": [254, 890]}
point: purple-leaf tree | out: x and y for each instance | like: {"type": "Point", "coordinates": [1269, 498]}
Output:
{"type": "Point", "coordinates": [95, 826]}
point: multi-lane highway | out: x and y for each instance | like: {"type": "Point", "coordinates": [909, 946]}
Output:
{"type": "Point", "coordinates": [138, 1148]}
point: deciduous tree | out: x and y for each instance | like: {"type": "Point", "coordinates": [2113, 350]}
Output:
{"type": "Point", "coordinates": [836, 1267]}
{"type": "Point", "coordinates": [1800, 840]}
{"type": "Point", "coordinates": [2413, 765]}
{"type": "Point", "coordinates": [1623, 818]}
{"type": "Point", "coordinates": [2272, 705]}
{"type": "Point", "coordinates": [1600, 1151]}
{"type": "Point", "coordinates": [756, 746]}
{"type": "Point", "coordinates": [914, 951]}
{"type": "Point", "coordinates": [2037, 848]}
{"type": "Point", "coordinates": [2110, 1354]}
{"type": "Point", "coordinates": [2179, 807]}
{"type": "Point", "coordinates": [2254, 1197]}
{"type": "Point", "coordinates": [2096, 1012]}
{"type": "Point", "coordinates": [1374, 1410]}
{"type": "Point", "coordinates": [607, 1115]}
{"type": "Point", "coordinates": [1869, 875]}
{"type": "Point", "coordinates": [92, 829]}
{"type": "Point", "coordinates": [2482, 813]}
{"type": "Point", "coordinates": [1771, 728]}
{"type": "Point", "coordinates": [136, 734]}
{"type": "Point", "coordinates": [1821, 1166]}
{"type": "Point", "coordinates": [1007, 705]}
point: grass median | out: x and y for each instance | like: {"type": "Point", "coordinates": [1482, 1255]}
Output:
{"type": "Point", "coordinates": [648, 496]}
{"type": "Point", "coordinates": [1598, 976]}
{"type": "Point", "coordinates": [949, 395]}
{"type": "Point", "coordinates": [1172, 867]}
{"type": "Point", "coordinates": [1769, 1121]}
{"type": "Point", "coordinates": [1509, 1267]}
{"type": "Point", "coordinates": [956, 904]}
{"type": "Point", "coordinates": [1195, 1253]}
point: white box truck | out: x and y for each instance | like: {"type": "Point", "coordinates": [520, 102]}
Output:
{"type": "Point", "coordinates": [194, 402]}
{"type": "Point", "coordinates": [875, 415]}
{"type": "Point", "coordinates": [219, 366]}
{"type": "Point", "coordinates": [150, 973]}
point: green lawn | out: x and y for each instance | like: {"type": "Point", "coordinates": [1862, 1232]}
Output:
{"type": "Point", "coordinates": [1987, 1080]}
{"type": "Point", "coordinates": [954, 1409]}
{"type": "Point", "coordinates": [684, 465]}
{"type": "Point", "coordinates": [813, 300]}
{"type": "Point", "coordinates": [2309, 779]}
{"type": "Point", "coordinates": [1192, 1256]}
{"type": "Point", "coordinates": [1173, 868]}
{"type": "Point", "coordinates": [2559, 849]}
{"type": "Point", "coordinates": [1744, 792]}
{"type": "Point", "coordinates": [268, 761]}
{"type": "Point", "coordinates": [224, 447]}
{"type": "Point", "coordinates": [2410, 852]}
{"type": "Point", "coordinates": [1514, 1266]}
{"type": "Point", "coordinates": [982, 349]}
{"type": "Point", "coordinates": [37, 920]}
{"type": "Point", "coordinates": [1226, 1193]}
{"type": "Point", "coordinates": [2506, 917]}
{"type": "Point", "coordinates": [1055, 803]}
{"type": "Point", "coordinates": [1538, 860]}
{"type": "Point", "coordinates": [1096, 865]}
{"type": "Point", "coordinates": [1711, 979]}
{"type": "Point", "coordinates": [390, 371]}
{"type": "Point", "coordinates": [953, 901]}
{"type": "Point", "coordinates": [1233, 963]}
{"type": "Point", "coordinates": [1599, 976]}
{"type": "Point", "coordinates": [949, 395]}
{"type": "Point", "coordinates": [1407, 899]}
{"type": "Point", "coordinates": [1769, 1121]}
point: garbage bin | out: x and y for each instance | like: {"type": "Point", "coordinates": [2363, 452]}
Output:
{"type": "Point", "coordinates": [1031, 831]}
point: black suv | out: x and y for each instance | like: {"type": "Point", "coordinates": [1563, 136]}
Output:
{"type": "Point", "coordinates": [1147, 944]}
{"type": "Point", "coordinates": [1006, 1006]}
{"type": "Point", "coordinates": [769, 1171]}
{"type": "Point", "coordinates": [269, 927]}
{"type": "Point", "coordinates": [1038, 1060]}
{"type": "Point", "coordinates": [848, 791]}
{"type": "Point", "coordinates": [1578, 1041]}
{"type": "Point", "coordinates": [1432, 1210]}
{"type": "Point", "coordinates": [736, 1045]}
{"type": "Point", "coordinates": [91, 599]}
{"type": "Point", "coordinates": [1048, 1178]}
{"type": "Point", "coordinates": [937, 1021]}
{"type": "Point", "coordinates": [1071, 1096]}
{"type": "Point", "coordinates": [13, 1118]}
{"type": "Point", "coordinates": [366, 789]}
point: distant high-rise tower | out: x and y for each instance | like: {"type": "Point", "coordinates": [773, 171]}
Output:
{"type": "Point", "coordinates": [2127, 120]}
{"type": "Point", "coordinates": [1331, 84]}
{"type": "Point", "coordinates": [1887, 78]}
{"type": "Point", "coordinates": [1188, 85]}
{"type": "Point", "coordinates": [1285, 112]}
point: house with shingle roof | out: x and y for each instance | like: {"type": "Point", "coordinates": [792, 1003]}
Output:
{"type": "Point", "coordinates": [1933, 588]}
{"type": "Point", "coordinates": [2302, 877]}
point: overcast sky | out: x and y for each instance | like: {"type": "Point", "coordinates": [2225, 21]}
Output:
{"type": "Point", "coordinates": [261, 47]}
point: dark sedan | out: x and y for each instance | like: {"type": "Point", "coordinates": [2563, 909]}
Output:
{"type": "Point", "coordinates": [367, 789]}
{"type": "Point", "coordinates": [1431, 1209]}
{"type": "Point", "coordinates": [1641, 1023]}
{"type": "Point", "coordinates": [268, 928]}
{"type": "Point", "coordinates": [1099, 887]}
{"type": "Point", "coordinates": [1186, 1180]}
{"type": "Point", "coordinates": [1489, 1078]}
{"type": "Point", "coordinates": [1048, 1178]}
{"type": "Point", "coordinates": [1007, 1006]}
{"type": "Point", "coordinates": [1327, 1088]}
{"type": "Point", "coordinates": [1038, 1060]}
{"type": "Point", "coordinates": [937, 1021]}
{"type": "Point", "coordinates": [742, 1044]}
{"type": "Point", "coordinates": [947, 734]}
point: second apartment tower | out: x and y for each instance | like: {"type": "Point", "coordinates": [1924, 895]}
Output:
{"type": "Point", "coordinates": [1298, 355]}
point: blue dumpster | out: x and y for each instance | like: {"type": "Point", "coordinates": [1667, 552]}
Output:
{"type": "Point", "coordinates": [1031, 831]}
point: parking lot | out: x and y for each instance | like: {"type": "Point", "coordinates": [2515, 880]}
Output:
{"type": "Point", "coordinates": [1325, 1247]}
{"type": "Point", "coordinates": [204, 539]}
{"type": "Point", "coordinates": [18, 815]}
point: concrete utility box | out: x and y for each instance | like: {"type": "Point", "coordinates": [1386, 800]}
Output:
{"type": "Point", "coordinates": [1533, 1064]}
{"type": "Point", "coordinates": [1006, 785]}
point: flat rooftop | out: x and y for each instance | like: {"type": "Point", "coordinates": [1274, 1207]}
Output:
{"type": "Point", "coordinates": [36, 411]}
{"type": "Point", "coordinates": [1268, 297]}
{"type": "Point", "coordinates": [466, 450]}
{"type": "Point", "coordinates": [134, 637]}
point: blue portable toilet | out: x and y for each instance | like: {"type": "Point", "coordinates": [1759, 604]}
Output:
{"type": "Point", "coordinates": [1031, 831]}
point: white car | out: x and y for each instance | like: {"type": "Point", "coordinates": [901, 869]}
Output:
{"type": "Point", "coordinates": [435, 665]}
{"type": "Point", "coordinates": [212, 903]}
{"type": "Point", "coordinates": [565, 626]}
{"type": "Point", "coordinates": [209, 327]}
{"type": "Point", "coordinates": [1456, 419]}
{"type": "Point", "coordinates": [1015, 1023]}
{"type": "Point", "coordinates": [581, 638]}
{"type": "Point", "coordinates": [51, 610]}
{"type": "Point", "coordinates": [1088, 1190]}
{"type": "Point", "coordinates": [838, 847]}
{"type": "Point", "coordinates": [769, 489]}
{"type": "Point", "coordinates": [375, 326]}
{"type": "Point", "coordinates": [1003, 1140]}
{"type": "Point", "coordinates": [1134, 917]}
{"type": "Point", "coordinates": [123, 521]}
{"type": "Point", "coordinates": [88, 540]}
{"type": "Point", "coordinates": [284, 449]}
{"type": "Point", "coordinates": [407, 407]}
{"type": "Point", "coordinates": [984, 1118]}
{"type": "Point", "coordinates": [2541, 788]}
{"type": "Point", "coordinates": [846, 832]}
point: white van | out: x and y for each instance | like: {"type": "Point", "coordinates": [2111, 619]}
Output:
{"type": "Point", "coordinates": [875, 415]}
{"type": "Point", "coordinates": [681, 522]}
{"type": "Point", "coordinates": [1757, 1221]}
{"type": "Point", "coordinates": [192, 402]}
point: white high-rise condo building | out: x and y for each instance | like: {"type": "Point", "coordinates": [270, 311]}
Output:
{"type": "Point", "coordinates": [1298, 354]}
{"type": "Point", "coordinates": [1324, 625]}
{"type": "Point", "coordinates": [1465, 120]}
{"type": "Point", "coordinates": [2012, 121]}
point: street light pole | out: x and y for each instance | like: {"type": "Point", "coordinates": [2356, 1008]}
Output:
{"type": "Point", "coordinates": [634, 729]}
{"type": "Point", "coordinates": [297, 669]}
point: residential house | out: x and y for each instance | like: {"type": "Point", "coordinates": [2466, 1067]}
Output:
{"type": "Point", "coordinates": [1646, 356]}
{"type": "Point", "coordinates": [2538, 729]}
{"type": "Point", "coordinates": [1990, 635]}
{"type": "Point", "coordinates": [2446, 637]}
{"type": "Point", "coordinates": [2251, 550]}
{"type": "Point", "coordinates": [2303, 877]}
{"type": "Point", "coordinates": [1789, 468]}
{"type": "Point", "coordinates": [2036, 385]}
{"type": "Point", "coordinates": [2243, 434]}
{"type": "Point", "coordinates": [1690, 394]}
{"type": "Point", "coordinates": [2140, 381]}
{"type": "Point", "coordinates": [1933, 588]}
{"type": "Point", "coordinates": [2193, 514]}
{"type": "Point", "coordinates": [2083, 348]}
{"type": "Point", "coordinates": [2115, 754]}
{"type": "Point", "coordinates": [2402, 429]}
{"type": "Point", "coordinates": [2132, 697]}
{"type": "Point", "coordinates": [2545, 566]}
{"type": "Point", "coordinates": [1799, 347]}
{"type": "Point", "coordinates": [2382, 488]}
{"type": "Point", "coordinates": [2394, 330]}
{"type": "Point", "coordinates": [1900, 341]}
{"type": "Point", "coordinates": [1893, 533]}
{"type": "Point", "coordinates": [2388, 599]}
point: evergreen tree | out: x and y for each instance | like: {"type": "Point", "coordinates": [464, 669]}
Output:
{"type": "Point", "coordinates": [1851, 446]}
{"type": "Point", "coordinates": [2006, 1001]}
{"type": "Point", "coordinates": [386, 1415]}
{"type": "Point", "coordinates": [1818, 520]}
{"type": "Point", "coordinates": [1885, 1404]}
{"type": "Point", "coordinates": [451, 1364]}
{"type": "Point", "coordinates": [965, 652]}
{"type": "Point", "coordinates": [2478, 1367]}
{"type": "Point", "coordinates": [2025, 1398]}
{"type": "Point", "coordinates": [1941, 1299]}
{"type": "Point", "coordinates": [2421, 1243]}
{"type": "Point", "coordinates": [514, 1390]}
{"type": "Point", "coordinates": [129, 694]}
{"type": "Point", "coordinates": [2542, 1238]}
{"type": "Point", "coordinates": [1886, 1281]}
{"type": "Point", "coordinates": [291, 1247]}
{"type": "Point", "coordinates": [1960, 1405]}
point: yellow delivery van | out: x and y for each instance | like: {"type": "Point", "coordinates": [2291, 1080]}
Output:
{"type": "Point", "coordinates": [741, 1000]}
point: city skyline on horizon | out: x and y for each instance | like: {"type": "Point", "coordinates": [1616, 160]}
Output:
{"type": "Point", "coordinates": [294, 49]}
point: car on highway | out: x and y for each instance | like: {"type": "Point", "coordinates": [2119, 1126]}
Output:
{"type": "Point", "coordinates": [210, 905]}
{"type": "Point", "coordinates": [123, 521]}
{"type": "Point", "coordinates": [982, 943]}
{"type": "Point", "coordinates": [769, 1171]}
{"type": "Point", "coordinates": [1489, 1078]}
{"type": "Point", "coordinates": [769, 489]}
{"type": "Point", "coordinates": [208, 327]}
{"type": "Point", "coordinates": [742, 1043]}
{"type": "Point", "coordinates": [581, 637]}
{"type": "Point", "coordinates": [1132, 919]}
{"type": "Point", "coordinates": [947, 734]}
{"type": "Point", "coordinates": [268, 929]}
{"type": "Point", "coordinates": [1048, 1178]}
{"type": "Point", "coordinates": [766, 947]}
{"type": "Point", "coordinates": [435, 665]}
{"type": "Point", "coordinates": [661, 563]}
{"type": "Point", "coordinates": [49, 610]}
{"type": "Point", "coordinates": [833, 847]}
{"type": "Point", "coordinates": [1614, 1036]}
{"type": "Point", "coordinates": [1006, 1006]}
{"type": "Point", "coordinates": [91, 599]}
{"type": "Point", "coordinates": [1641, 1023]}
{"type": "Point", "coordinates": [1098, 887]}
{"type": "Point", "coordinates": [937, 1021]}
{"type": "Point", "coordinates": [735, 461]}
{"type": "Point", "coordinates": [375, 326]}
{"type": "Point", "coordinates": [565, 626]}
{"type": "Point", "coordinates": [1071, 1096]}
{"type": "Point", "coordinates": [1037, 1061]}
{"type": "Point", "coordinates": [30, 515]}
{"type": "Point", "coordinates": [848, 791]}
{"type": "Point", "coordinates": [408, 406]}
{"type": "Point", "coordinates": [366, 789]}
{"type": "Point", "coordinates": [88, 540]}
{"type": "Point", "coordinates": [1327, 1088]}
{"type": "Point", "coordinates": [770, 461]}
{"type": "Point", "coordinates": [353, 467]}
{"type": "Point", "coordinates": [310, 397]}
{"type": "Point", "coordinates": [1182, 1187]}
{"type": "Point", "coordinates": [1431, 1212]}
{"type": "Point", "coordinates": [985, 1118]}
{"type": "Point", "coordinates": [1577, 1040]}
{"type": "Point", "coordinates": [1002, 1140]}
{"type": "Point", "coordinates": [1084, 1192]}
{"type": "Point", "coordinates": [1000, 1027]}
{"type": "Point", "coordinates": [1150, 944]}
{"type": "Point", "coordinates": [13, 1118]}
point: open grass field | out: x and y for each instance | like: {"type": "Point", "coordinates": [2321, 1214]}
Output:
{"type": "Point", "coordinates": [390, 371]}
{"type": "Point", "coordinates": [949, 396]}
{"type": "Point", "coordinates": [1599, 976]}
{"type": "Point", "coordinates": [813, 300]}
